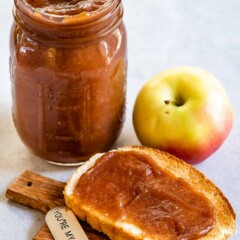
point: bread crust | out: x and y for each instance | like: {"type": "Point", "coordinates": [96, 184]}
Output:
{"type": "Point", "coordinates": [225, 215]}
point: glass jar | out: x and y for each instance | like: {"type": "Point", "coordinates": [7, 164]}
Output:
{"type": "Point", "coordinates": [68, 68]}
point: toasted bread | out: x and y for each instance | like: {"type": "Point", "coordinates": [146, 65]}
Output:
{"type": "Point", "coordinates": [224, 214]}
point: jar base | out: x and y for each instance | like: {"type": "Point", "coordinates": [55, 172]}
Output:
{"type": "Point", "coordinates": [58, 161]}
{"type": "Point", "coordinates": [64, 164]}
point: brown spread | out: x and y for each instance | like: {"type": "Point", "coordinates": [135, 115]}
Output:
{"type": "Point", "coordinates": [129, 187]}
{"type": "Point", "coordinates": [63, 7]}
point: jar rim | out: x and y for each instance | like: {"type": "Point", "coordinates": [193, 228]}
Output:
{"type": "Point", "coordinates": [83, 17]}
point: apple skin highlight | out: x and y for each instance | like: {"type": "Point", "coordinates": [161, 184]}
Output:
{"type": "Point", "coordinates": [184, 111]}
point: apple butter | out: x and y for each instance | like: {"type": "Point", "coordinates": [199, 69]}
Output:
{"type": "Point", "coordinates": [68, 68]}
{"type": "Point", "coordinates": [129, 187]}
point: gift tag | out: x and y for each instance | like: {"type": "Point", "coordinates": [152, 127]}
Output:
{"type": "Point", "coordinates": [64, 225]}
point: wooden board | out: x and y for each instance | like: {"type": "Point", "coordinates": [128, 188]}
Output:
{"type": "Point", "coordinates": [43, 194]}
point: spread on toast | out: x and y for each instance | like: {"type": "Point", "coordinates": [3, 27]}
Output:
{"type": "Point", "coordinates": [129, 186]}
{"type": "Point", "coordinates": [142, 193]}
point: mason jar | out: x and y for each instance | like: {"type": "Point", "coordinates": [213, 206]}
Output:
{"type": "Point", "coordinates": [68, 67]}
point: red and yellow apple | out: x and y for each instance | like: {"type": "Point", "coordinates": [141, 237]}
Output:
{"type": "Point", "coordinates": [184, 111]}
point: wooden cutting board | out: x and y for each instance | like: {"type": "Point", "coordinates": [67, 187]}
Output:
{"type": "Point", "coordinates": [43, 194]}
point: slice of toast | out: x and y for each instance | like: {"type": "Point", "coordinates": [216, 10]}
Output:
{"type": "Point", "coordinates": [224, 225]}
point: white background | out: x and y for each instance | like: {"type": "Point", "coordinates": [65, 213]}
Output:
{"type": "Point", "coordinates": [161, 35]}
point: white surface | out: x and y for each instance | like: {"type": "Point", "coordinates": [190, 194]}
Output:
{"type": "Point", "coordinates": [161, 34]}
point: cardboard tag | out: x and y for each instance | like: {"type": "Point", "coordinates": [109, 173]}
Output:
{"type": "Point", "coordinates": [64, 225]}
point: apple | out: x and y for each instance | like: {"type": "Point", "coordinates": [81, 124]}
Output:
{"type": "Point", "coordinates": [184, 111]}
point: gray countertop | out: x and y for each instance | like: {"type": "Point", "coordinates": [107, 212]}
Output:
{"type": "Point", "coordinates": [161, 35]}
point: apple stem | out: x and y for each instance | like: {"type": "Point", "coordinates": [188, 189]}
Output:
{"type": "Point", "coordinates": [176, 103]}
